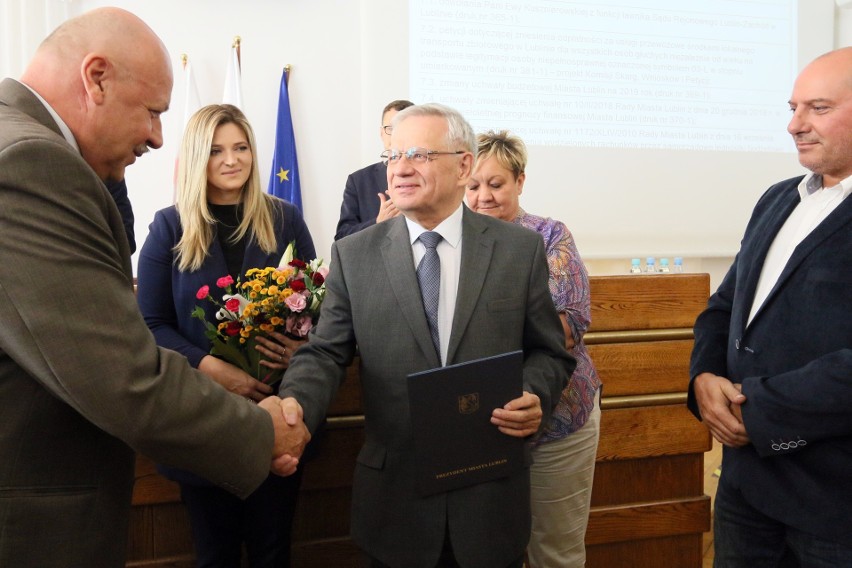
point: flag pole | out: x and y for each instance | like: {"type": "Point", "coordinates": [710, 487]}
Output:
{"type": "Point", "coordinates": [236, 45]}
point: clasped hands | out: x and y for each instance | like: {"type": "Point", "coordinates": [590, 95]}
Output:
{"type": "Point", "coordinates": [291, 434]}
{"type": "Point", "coordinates": [720, 404]}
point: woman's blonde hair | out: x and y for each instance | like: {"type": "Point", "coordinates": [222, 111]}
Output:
{"type": "Point", "coordinates": [195, 217]}
{"type": "Point", "coordinates": [509, 150]}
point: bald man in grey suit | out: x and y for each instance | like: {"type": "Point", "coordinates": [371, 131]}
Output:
{"type": "Point", "coordinates": [82, 382]}
{"type": "Point", "coordinates": [493, 299]}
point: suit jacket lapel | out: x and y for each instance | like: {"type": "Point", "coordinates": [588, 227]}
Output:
{"type": "Point", "coordinates": [836, 221]}
{"type": "Point", "coordinates": [477, 249]}
{"type": "Point", "coordinates": [396, 254]}
{"type": "Point", "coordinates": [254, 257]}
{"type": "Point", "coordinates": [765, 233]}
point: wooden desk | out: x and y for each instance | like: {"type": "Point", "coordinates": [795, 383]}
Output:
{"type": "Point", "coordinates": [648, 506]}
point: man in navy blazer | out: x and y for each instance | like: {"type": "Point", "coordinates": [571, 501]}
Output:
{"type": "Point", "coordinates": [365, 202]}
{"type": "Point", "coordinates": [772, 364]}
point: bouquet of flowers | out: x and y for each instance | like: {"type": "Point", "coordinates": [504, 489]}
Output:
{"type": "Point", "coordinates": [286, 298]}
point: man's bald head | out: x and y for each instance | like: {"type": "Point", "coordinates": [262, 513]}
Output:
{"type": "Point", "coordinates": [108, 76]}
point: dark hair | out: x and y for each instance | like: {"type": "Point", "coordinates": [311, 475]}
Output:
{"type": "Point", "coordinates": [396, 105]}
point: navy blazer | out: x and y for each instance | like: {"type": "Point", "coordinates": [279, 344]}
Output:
{"type": "Point", "coordinates": [794, 361]}
{"type": "Point", "coordinates": [360, 199]}
{"type": "Point", "coordinates": [166, 295]}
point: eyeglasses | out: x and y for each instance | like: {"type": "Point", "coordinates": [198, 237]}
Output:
{"type": "Point", "coordinates": [387, 128]}
{"type": "Point", "coordinates": [414, 154]}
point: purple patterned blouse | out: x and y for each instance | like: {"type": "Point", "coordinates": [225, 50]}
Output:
{"type": "Point", "coordinates": [569, 287]}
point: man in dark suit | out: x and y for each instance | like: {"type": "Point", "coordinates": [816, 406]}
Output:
{"type": "Point", "coordinates": [118, 191]}
{"type": "Point", "coordinates": [772, 364]}
{"type": "Point", "coordinates": [365, 201]}
{"type": "Point", "coordinates": [82, 383]}
{"type": "Point", "coordinates": [493, 299]}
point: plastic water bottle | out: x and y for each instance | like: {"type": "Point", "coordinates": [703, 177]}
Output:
{"type": "Point", "coordinates": [678, 265]}
{"type": "Point", "coordinates": [635, 267]}
{"type": "Point", "coordinates": [664, 265]}
{"type": "Point", "coordinates": [650, 267]}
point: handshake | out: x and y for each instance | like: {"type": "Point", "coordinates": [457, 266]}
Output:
{"type": "Point", "coordinates": [291, 434]}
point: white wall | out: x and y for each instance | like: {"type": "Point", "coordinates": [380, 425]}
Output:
{"type": "Point", "coordinates": [337, 49]}
{"type": "Point", "coordinates": [322, 43]}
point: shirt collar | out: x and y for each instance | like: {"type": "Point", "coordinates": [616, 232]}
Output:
{"type": "Point", "coordinates": [450, 228]}
{"type": "Point", "coordinates": [812, 183]}
{"type": "Point", "coordinates": [66, 132]}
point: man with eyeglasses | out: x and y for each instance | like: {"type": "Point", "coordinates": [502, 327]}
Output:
{"type": "Point", "coordinates": [365, 201]}
{"type": "Point", "coordinates": [492, 298]}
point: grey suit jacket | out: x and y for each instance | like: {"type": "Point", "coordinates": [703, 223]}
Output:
{"type": "Point", "coordinates": [82, 383]}
{"type": "Point", "coordinates": [374, 301]}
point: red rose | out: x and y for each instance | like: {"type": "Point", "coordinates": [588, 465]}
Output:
{"type": "Point", "coordinates": [233, 328]}
{"type": "Point", "coordinates": [297, 285]}
{"type": "Point", "coordinates": [318, 279]}
{"type": "Point", "coordinates": [202, 292]}
{"type": "Point", "coordinates": [297, 263]}
{"type": "Point", "coordinates": [225, 281]}
{"type": "Point", "coordinates": [233, 305]}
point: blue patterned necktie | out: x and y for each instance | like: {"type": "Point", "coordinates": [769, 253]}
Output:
{"type": "Point", "coordinates": [429, 276]}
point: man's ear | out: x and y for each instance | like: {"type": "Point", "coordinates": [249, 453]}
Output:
{"type": "Point", "coordinates": [466, 165]}
{"type": "Point", "coordinates": [96, 69]}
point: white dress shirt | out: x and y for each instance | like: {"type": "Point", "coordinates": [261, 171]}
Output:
{"type": "Point", "coordinates": [817, 203]}
{"type": "Point", "coordinates": [449, 251]}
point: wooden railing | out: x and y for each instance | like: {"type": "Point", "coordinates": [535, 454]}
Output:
{"type": "Point", "coordinates": [648, 506]}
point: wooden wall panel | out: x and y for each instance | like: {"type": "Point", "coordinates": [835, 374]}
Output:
{"type": "Point", "coordinates": [647, 302]}
{"type": "Point", "coordinates": [683, 551]}
{"type": "Point", "coordinates": [642, 367]}
{"type": "Point", "coordinates": [647, 431]}
{"type": "Point", "coordinates": [648, 520]}
{"type": "Point", "coordinates": [647, 479]}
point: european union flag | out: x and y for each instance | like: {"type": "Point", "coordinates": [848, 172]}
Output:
{"type": "Point", "coordinates": [284, 179]}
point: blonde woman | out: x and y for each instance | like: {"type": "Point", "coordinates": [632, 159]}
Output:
{"type": "Point", "coordinates": [223, 224]}
{"type": "Point", "coordinates": [564, 454]}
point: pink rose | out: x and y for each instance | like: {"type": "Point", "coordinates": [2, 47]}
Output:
{"type": "Point", "coordinates": [296, 302]}
{"type": "Point", "coordinates": [224, 281]}
{"type": "Point", "coordinates": [202, 292]}
{"type": "Point", "coordinates": [299, 326]}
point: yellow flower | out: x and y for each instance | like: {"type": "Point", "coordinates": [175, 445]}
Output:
{"type": "Point", "coordinates": [276, 321]}
{"type": "Point", "coordinates": [242, 340]}
{"type": "Point", "coordinates": [267, 327]}
{"type": "Point", "coordinates": [273, 290]}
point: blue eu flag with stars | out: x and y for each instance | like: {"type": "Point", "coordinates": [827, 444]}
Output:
{"type": "Point", "coordinates": [284, 178]}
